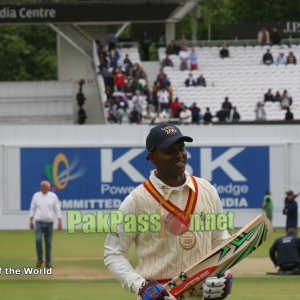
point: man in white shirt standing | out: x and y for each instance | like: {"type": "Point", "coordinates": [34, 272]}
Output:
{"type": "Point", "coordinates": [44, 206]}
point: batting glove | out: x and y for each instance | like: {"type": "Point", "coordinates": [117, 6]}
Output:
{"type": "Point", "coordinates": [151, 290]}
{"type": "Point", "coordinates": [217, 288]}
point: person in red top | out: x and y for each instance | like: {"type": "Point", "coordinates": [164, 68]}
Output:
{"type": "Point", "coordinates": [175, 108]}
{"type": "Point", "coordinates": [119, 80]}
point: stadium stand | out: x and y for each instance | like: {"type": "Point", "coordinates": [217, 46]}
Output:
{"type": "Point", "coordinates": [242, 77]}
{"type": "Point", "coordinates": [47, 102]}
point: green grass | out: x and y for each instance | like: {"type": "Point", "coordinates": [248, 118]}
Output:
{"type": "Point", "coordinates": [85, 252]}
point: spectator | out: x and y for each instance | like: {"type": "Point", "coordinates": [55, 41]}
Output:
{"type": "Point", "coordinates": [161, 41]}
{"type": "Point", "coordinates": [289, 116]}
{"type": "Point", "coordinates": [286, 100]}
{"type": "Point", "coordinates": [145, 45]}
{"type": "Point", "coordinates": [111, 40]}
{"type": "Point", "coordinates": [138, 101]}
{"type": "Point", "coordinates": [277, 97]}
{"type": "Point", "coordinates": [193, 59]}
{"type": "Point", "coordinates": [235, 115]}
{"type": "Point", "coordinates": [163, 99]}
{"type": "Point", "coordinates": [127, 64]}
{"type": "Point", "coordinates": [291, 58]}
{"type": "Point", "coordinates": [172, 48]}
{"type": "Point", "coordinates": [81, 116]}
{"type": "Point", "coordinates": [222, 115]}
{"type": "Point", "coordinates": [227, 106]}
{"type": "Point", "coordinates": [190, 81]}
{"type": "Point", "coordinates": [114, 56]}
{"type": "Point", "coordinates": [281, 59]}
{"type": "Point", "coordinates": [175, 108]}
{"type": "Point", "coordinates": [201, 81]}
{"type": "Point", "coordinates": [195, 113]}
{"type": "Point", "coordinates": [260, 113]}
{"type": "Point", "coordinates": [80, 98]}
{"type": "Point", "coordinates": [43, 209]}
{"type": "Point", "coordinates": [269, 96]}
{"type": "Point", "coordinates": [291, 210]}
{"type": "Point", "coordinates": [275, 36]}
{"type": "Point", "coordinates": [183, 57]}
{"type": "Point", "coordinates": [267, 205]}
{"type": "Point", "coordinates": [166, 62]}
{"type": "Point", "coordinates": [137, 85]}
{"type": "Point", "coordinates": [263, 36]}
{"type": "Point", "coordinates": [119, 80]}
{"type": "Point", "coordinates": [185, 115]}
{"type": "Point", "coordinates": [268, 58]}
{"type": "Point", "coordinates": [135, 116]}
{"type": "Point", "coordinates": [285, 253]}
{"type": "Point", "coordinates": [224, 51]}
{"type": "Point", "coordinates": [162, 79]}
{"type": "Point", "coordinates": [207, 117]}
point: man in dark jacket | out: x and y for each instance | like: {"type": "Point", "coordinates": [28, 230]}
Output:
{"type": "Point", "coordinates": [285, 253]}
{"type": "Point", "coordinates": [291, 210]}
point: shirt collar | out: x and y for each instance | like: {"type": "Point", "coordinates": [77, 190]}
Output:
{"type": "Point", "coordinates": [165, 190]}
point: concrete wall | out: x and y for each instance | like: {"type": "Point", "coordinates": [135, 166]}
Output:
{"type": "Point", "coordinates": [284, 143]}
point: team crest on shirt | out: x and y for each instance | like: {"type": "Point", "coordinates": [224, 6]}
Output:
{"type": "Point", "coordinates": [187, 240]}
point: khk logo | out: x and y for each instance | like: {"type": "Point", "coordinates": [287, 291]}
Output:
{"type": "Point", "coordinates": [61, 171]}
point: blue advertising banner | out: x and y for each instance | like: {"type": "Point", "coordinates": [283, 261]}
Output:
{"type": "Point", "coordinates": [100, 178]}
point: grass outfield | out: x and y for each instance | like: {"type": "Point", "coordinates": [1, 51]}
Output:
{"type": "Point", "coordinates": [79, 271]}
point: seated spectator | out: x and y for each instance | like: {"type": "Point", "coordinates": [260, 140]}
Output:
{"type": "Point", "coordinates": [269, 96]}
{"type": "Point", "coordinates": [289, 116]}
{"type": "Point", "coordinates": [137, 85]}
{"type": "Point", "coordinates": [285, 253]}
{"type": "Point", "coordinates": [268, 58]}
{"type": "Point", "coordinates": [163, 99]}
{"type": "Point", "coordinates": [260, 113]}
{"type": "Point", "coordinates": [162, 79]}
{"type": "Point", "coordinates": [222, 115]}
{"type": "Point", "coordinates": [281, 59]}
{"type": "Point", "coordinates": [235, 115]}
{"type": "Point", "coordinates": [286, 100]}
{"type": "Point", "coordinates": [275, 36]}
{"type": "Point", "coordinates": [166, 62]}
{"type": "Point", "coordinates": [119, 80]}
{"type": "Point", "coordinates": [207, 117]}
{"type": "Point", "coordinates": [161, 41]}
{"type": "Point", "coordinates": [81, 116]}
{"type": "Point", "coordinates": [175, 108]}
{"type": "Point", "coordinates": [139, 72]}
{"type": "Point", "coordinates": [172, 48]}
{"type": "Point", "coordinates": [291, 59]}
{"type": "Point", "coordinates": [114, 56]}
{"type": "Point", "coordinates": [120, 112]}
{"type": "Point", "coordinates": [135, 116]}
{"type": "Point", "coordinates": [224, 52]}
{"type": "Point", "coordinates": [185, 115]}
{"type": "Point", "coordinates": [170, 92]}
{"type": "Point", "coordinates": [195, 113]}
{"type": "Point", "coordinates": [277, 97]}
{"type": "Point", "coordinates": [227, 106]}
{"type": "Point", "coordinates": [127, 64]}
{"type": "Point", "coordinates": [263, 36]}
{"type": "Point", "coordinates": [138, 101]}
{"type": "Point", "coordinates": [190, 81]}
{"type": "Point", "coordinates": [201, 81]}
{"type": "Point", "coordinates": [183, 57]}
{"type": "Point", "coordinates": [193, 59]}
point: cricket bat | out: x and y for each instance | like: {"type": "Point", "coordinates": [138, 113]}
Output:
{"type": "Point", "coordinates": [223, 257]}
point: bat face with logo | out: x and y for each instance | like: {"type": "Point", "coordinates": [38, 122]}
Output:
{"type": "Point", "coordinates": [225, 256]}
